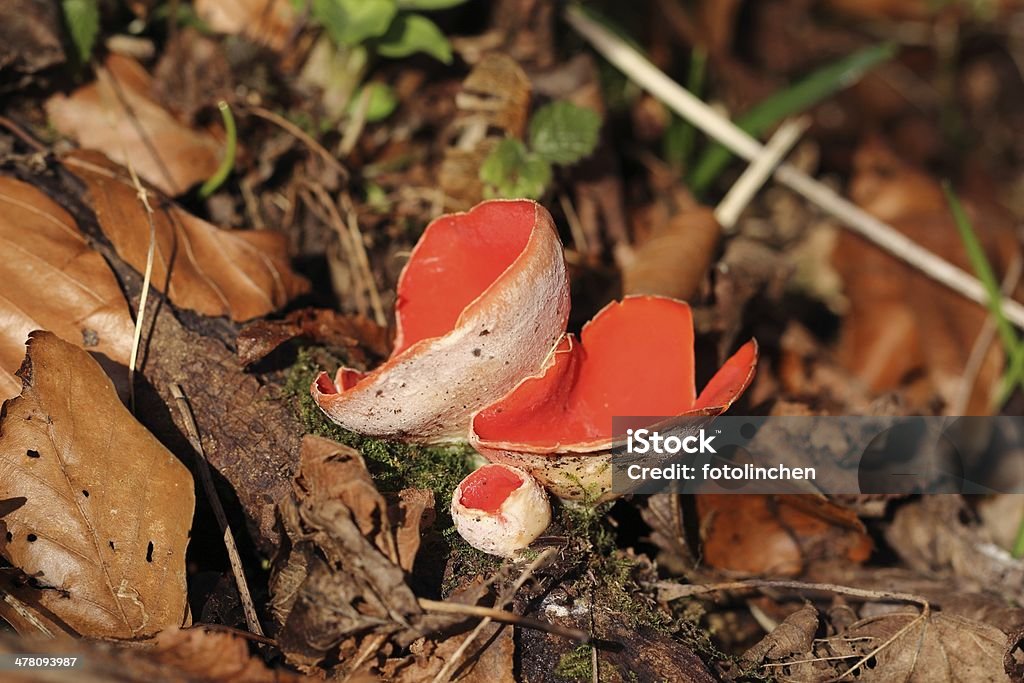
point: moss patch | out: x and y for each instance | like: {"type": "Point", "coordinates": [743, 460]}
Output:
{"type": "Point", "coordinates": [576, 665]}
{"type": "Point", "coordinates": [394, 465]}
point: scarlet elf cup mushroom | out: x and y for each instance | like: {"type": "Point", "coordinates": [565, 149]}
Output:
{"type": "Point", "coordinates": [635, 358]}
{"type": "Point", "coordinates": [500, 509]}
{"type": "Point", "coordinates": [481, 302]}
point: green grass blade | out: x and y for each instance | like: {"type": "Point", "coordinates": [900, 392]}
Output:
{"type": "Point", "coordinates": [799, 97]}
{"type": "Point", "coordinates": [681, 136]}
{"type": "Point", "coordinates": [983, 269]}
{"type": "Point", "coordinates": [228, 162]}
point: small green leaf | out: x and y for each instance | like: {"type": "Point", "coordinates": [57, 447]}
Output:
{"type": "Point", "coordinates": [382, 101]}
{"type": "Point", "coordinates": [411, 33]}
{"type": "Point", "coordinates": [429, 5]}
{"type": "Point", "coordinates": [351, 22]}
{"type": "Point", "coordinates": [512, 171]}
{"type": "Point", "coordinates": [563, 133]}
{"type": "Point", "coordinates": [83, 21]}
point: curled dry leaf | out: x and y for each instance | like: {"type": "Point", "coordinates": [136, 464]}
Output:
{"type": "Point", "coordinates": [340, 576]}
{"type": "Point", "coordinates": [635, 358]}
{"type": "Point", "coordinates": [795, 635]}
{"type": "Point", "coordinates": [268, 22]}
{"type": "Point", "coordinates": [777, 535]}
{"type": "Point", "coordinates": [675, 257]}
{"type": "Point", "coordinates": [362, 338]}
{"type": "Point", "coordinates": [481, 303]}
{"type": "Point", "coordinates": [117, 116]}
{"type": "Point", "coordinates": [100, 537]}
{"type": "Point", "coordinates": [242, 274]}
{"type": "Point", "coordinates": [51, 279]}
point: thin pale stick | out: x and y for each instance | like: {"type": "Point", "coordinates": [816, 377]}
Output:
{"type": "Point", "coordinates": [654, 81]}
{"type": "Point", "coordinates": [25, 613]}
{"type": "Point", "coordinates": [757, 173]}
{"type": "Point", "coordinates": [218, 510]}
{"type": "Point", "coordinates": [147, 279]}
{"type": "Point", "coordinates": [364, 261]}
{"type": "Point", "coordinates": [300, 134]}
{"type": "Point", "coordinates": [504, 617]}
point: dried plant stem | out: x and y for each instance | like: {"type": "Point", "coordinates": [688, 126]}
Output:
{"type": "Point", "coordinates": [983, 342]}
{"type": "Point", "coordinates": [757, 173]}
{"type": "Point", "coordinates": [18, 132]}
{"type": "Point", "coordinates": [654, 81]}
{"type": "Point", "coordinates": [300, 135]}
{"type": "Point", "coordinates": [507, 596]}
{"type": "Point", "coordinates": [218, 510]}
{"type": "Point", "coordinates": [503, 617]}
{"type": "Point", "coordinates": [25, 613]}
{"type": "Point", "coordinates": [359, 246]}
{"type": "Point", "coordinates": [147, 279]}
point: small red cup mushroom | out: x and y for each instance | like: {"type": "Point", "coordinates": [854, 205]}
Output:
{"type": "Point", "coordinates": [500, 509]}
{"type": "Point", "coordinates": [635, 358]}
{"type": "Point", "coordinates": [481, 302]}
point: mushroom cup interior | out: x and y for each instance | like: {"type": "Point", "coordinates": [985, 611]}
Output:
{"type": "Point", "coordinates": [635, 358]}
{"type": "Point", "coordinates": [488, 487]}
{"type": "Point", "coordinates": [456, 260]}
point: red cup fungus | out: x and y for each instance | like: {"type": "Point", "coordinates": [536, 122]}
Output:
{"type": "Point", "coordinates": [500, 509]}
{"type": "Point", "coordinates": [635, 358]}
{"type": "Point", "coordinates": [481, 302]}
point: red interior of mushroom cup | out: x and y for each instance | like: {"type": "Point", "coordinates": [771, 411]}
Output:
{"type": "Point", "coordinates": [634, 358]}
{"type": "Point", "coordinates": [455, 261]}
{"type": "Point", "coordinates": [488, 487]}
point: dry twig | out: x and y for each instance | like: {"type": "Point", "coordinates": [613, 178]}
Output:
{"type": "Point", "coordinates": [218, 510]}
{"type": "Point", "coordinates": [654, 81]}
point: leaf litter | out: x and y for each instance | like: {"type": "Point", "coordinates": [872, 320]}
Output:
{"type": "Point", "coordinates": [898, 348]}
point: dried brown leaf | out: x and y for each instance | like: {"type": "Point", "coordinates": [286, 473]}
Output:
{"type": "Point", "coordinates": [116, 115]}
{"type": "Point", "coordinates": [341, 576]}
{"type": "Point", "coordinates": [777, 535]}
{"type": "Point", "coordinates": [51, 279]}
{"type": "Point", "coordinates": [900, 321]}
{"type": "Point", "coordinates": [242, 274]}
{"type": "Point", "coordinates": [102, 532]}
{"type": "Point", "coordinates": [674, 259]}
{"type": "Point", "coordinates": [268, 22]}
{"type": "Point", "coordinates": [365, 341]}
{"type": "Point", "coordinates": [488, 659]}
{"type": "Point", "coordinates": [795, 635]}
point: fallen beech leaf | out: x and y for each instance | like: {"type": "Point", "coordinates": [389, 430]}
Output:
{"type": "Point", "coordinates": [30, 36]}
{"type": "Point", "coordinates": [675, 257]}
{"type": "Point", "coordinates": [340, 576]}
{"type": "Point", "coordinates": [213, 656]}
{"type": "Point", "coordinates": [481, 302]}
{"type": "Point", "coordinates": [795, 635]}
{"type": "Point", "coordinates": [777, 535]}
{"type": "Point", "coordinates": [108, 117]}
{"type": "Point", "coordinates": [635, 358]}
{"type": "Point", "coordinates": [937, 648]}
{"type": "Point", "coordinates": [361, 337]}
{"type": "Point", "coordinates": [900, 321]}
{"type": "Point", "coordinates": [107, 510]}
{"type": "Point", "coordinates": [242, 274]}
{"type": "Point", "coordinates": [51, 279]}
{"type": "Point", "coordinates": [268, 22]}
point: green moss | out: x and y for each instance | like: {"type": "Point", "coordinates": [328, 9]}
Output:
{"type": "Point", "coordinates": [394, 465]}
{"type": "Point", "coordinates": [465, 562]}
{"type": "Point", "coordinates": [576, 664]}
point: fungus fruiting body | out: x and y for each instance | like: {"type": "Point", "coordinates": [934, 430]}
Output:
{"type": "Point", "coordinates": [500, 509]}
{"type": "Point", "coordinates": [634, 359]}
{"type": "Point", "coordinates": [481, 302]}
